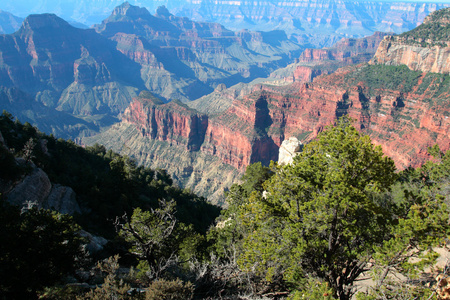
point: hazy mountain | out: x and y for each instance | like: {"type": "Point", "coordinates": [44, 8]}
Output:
{"type": "Point", "coordinates": [93, 74]}
{"type": "Point", "coordinates": [8, 22]}
{"type": "Point", "coordinates": [317, 22]}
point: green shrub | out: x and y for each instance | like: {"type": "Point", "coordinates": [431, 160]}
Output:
{"type": "Point", "coordinates": [314, 289]}
{"type": "Point", "coordinates": [170, 290]}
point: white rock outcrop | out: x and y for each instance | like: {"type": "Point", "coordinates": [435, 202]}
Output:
{"type": "Point", "coordinates": [288, 150]}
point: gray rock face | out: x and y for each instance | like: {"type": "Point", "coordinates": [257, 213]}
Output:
{"type": "Point", "coordinates": [62, 199]}
{"type": "Point", "coordinates": [288, 150]}
{"type": "Point", "coordinates": [37, 190]}
{"type": "Point", "coordinates": [34, 188]}
{"type": "Point", "coordinates": [95, 243]}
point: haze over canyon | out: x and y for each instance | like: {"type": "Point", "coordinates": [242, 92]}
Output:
{"type": "Point", "coordinates": [204, 102]}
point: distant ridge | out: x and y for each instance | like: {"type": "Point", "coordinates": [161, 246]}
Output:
{"type": "Point", "coordinates": [315, 22]}
{"type": "Point", "coordinates": [8, 22]}
{"type": "Point", "coordinates": [93, 74]}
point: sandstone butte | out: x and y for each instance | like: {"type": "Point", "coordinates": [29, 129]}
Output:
{"type": "Point", "coordinates": [405, 109]}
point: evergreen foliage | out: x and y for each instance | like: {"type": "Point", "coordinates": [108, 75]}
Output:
{"type": "Point", "coordinates": [434, 32]}
{"type": "Point", "coordinates": [338, 211]}
{"type": "Point", "coordinates": [303, 231]}
{"type": "Point", "coordinates": [38, 248]}
{"type": "Point", "coordinates": [386, 77]}
{"type": "Point", "coordinates": [106, 183]}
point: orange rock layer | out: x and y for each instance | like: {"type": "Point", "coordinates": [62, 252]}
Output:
{"type": "Point", "coordinates": [253, 128]}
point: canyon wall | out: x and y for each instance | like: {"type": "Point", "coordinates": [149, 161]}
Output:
{"type": "Point", "coordinates": [254, 126]}
{"type": "Point", "coordinates": [399, 51]}
{"type": "Point", "coordinates": [318, 22]}
{"type": "Point", "coordinates": [403, 109]}
{"type": "Point", "coordinates": [315, 62]}
{"type": "Point", "coordinates": [425, 48]}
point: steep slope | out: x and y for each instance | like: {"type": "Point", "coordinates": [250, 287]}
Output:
{"type": "Point", "coordinates": [315, 62]}
{"type": "Point", "coordinates": [403, 110]}
{"type": "Point", "coordinates": [169, 136]}
{"type": "Point", "coordinates": [66, 69]}
{"type": "Point", "coordinates": [92, 75]}
{"type": "Point", "coordinates": [185, 60]}
{"type": "Point", "coordinates": [425, 48]}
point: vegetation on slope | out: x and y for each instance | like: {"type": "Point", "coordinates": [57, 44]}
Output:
{"type": "Point", "coordinates": [301, 231]}
{"type": "Point", "coordinates": [337, 212]}
{"type": "Point", "coordinates": [434, 31]}
{"type": "Point", "coordinates": [106, 183]}
{"type": "Point", "coordinates": [384, 77]}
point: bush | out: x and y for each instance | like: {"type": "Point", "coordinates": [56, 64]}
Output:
{"type": "Point", "coordinates": [170, 290]}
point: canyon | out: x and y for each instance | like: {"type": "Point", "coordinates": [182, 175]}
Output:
{"type": "Point", "coordinates": [318, 23]}
{"type": "Point", "coordinates": [204, 102]}
{"type": "Point", "coordinates": [89, 76]}
{"type": "Point", "coordinates": [403, 109]}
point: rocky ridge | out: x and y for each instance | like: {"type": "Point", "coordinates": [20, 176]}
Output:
{"type": "Point", "coordinates": [403, 110]}
{"type": "Point", "coordinates": [425, 49]}
{"type": "Point", "coordinates": [8, 22]}
{"type": "Point", "coordinates": [317, 22]}
{"type": "Point", "coordinates": [91, 75]}
{"type": "Point", "coordinates": [316, 62]}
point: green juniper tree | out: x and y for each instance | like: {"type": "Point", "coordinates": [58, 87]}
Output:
{"type": "Point", "coordinates": [327, 215]}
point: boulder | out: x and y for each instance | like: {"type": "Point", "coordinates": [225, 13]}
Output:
{"type": "Point", "coordinates": [288, 150]}
{"type": "Point", "coordinates": [34, 188]}
{"type": "Point", "coordinates": [95, 243]}
{"type": "Point", "coordinates": [63, 200]}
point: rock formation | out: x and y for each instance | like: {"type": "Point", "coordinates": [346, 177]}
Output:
{"type": "Point", "coordinates": [35, 189]}
{"type": "Point", "coordinates": [85, 78]}
{"type": "Point", "coordinates": [288, 149]}
{"type": "Point", "coordinates": [403, 110]}
{"type": "Point", "coordinates": [425, 49]}
{"type": "Point", "coordinates": [317, 22]}
{"type": "Point", "coordinates": [315, 62]}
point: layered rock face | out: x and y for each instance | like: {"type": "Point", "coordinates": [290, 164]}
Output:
{"type": "Point", "coordinates": [61, 70]}
{"type": "Point", "coordinates": [307, 20]}
{"type": "Point", "coordinates": [303, 19]}
{"type": "Point", "coordinates": [201, 55]}
{"type": "Point", "coordinates": [93, 74]}
{"type": "Point", "coordinates": [403, 110]}
{"type": "Point", "coordinates": [315, 62]}
{"type": "Point", "coordinates": [346, 50]}
{"type": "Point", "coordinates": [426, 48]}
{"type": "Point", "coordinates": [177, 124]}
{"type": "Point", "coordinates": [173, 122]}
{"type": "Point", "coordinates": [403, 121]}
{"type": "Point", "coordinates": [396, 51]}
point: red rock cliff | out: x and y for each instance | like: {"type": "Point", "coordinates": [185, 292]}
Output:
{"type": "Point", "coordinates": [172, 122]}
